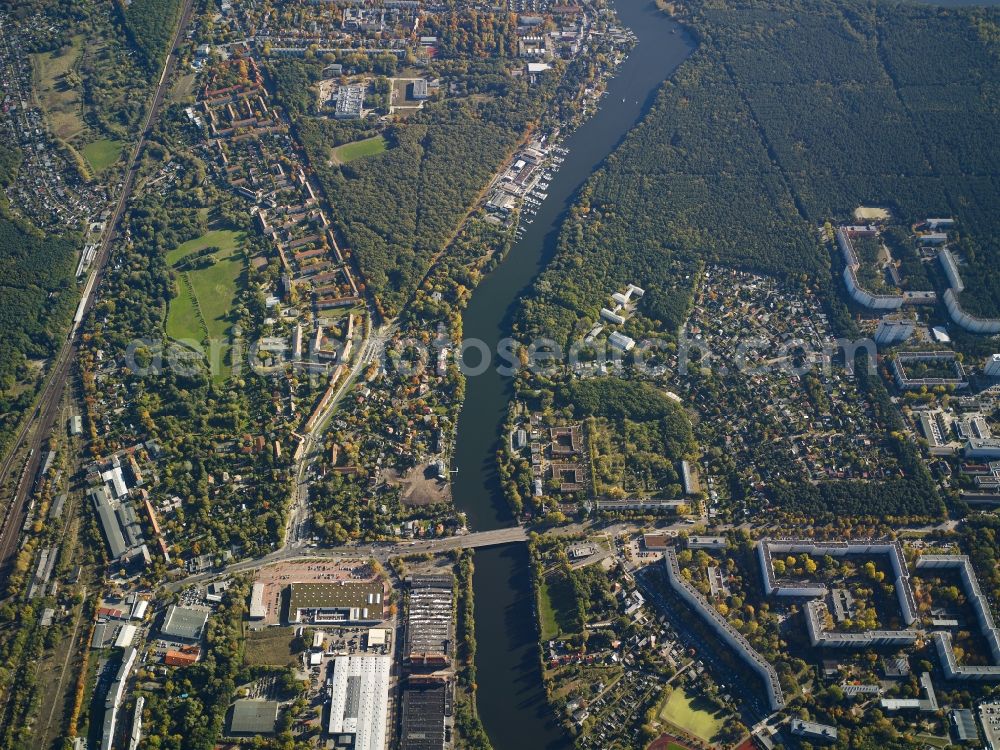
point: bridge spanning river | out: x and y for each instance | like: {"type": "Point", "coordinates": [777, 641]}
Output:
{"type": "Point", "coordinates": [511, 697]}
{"type": "Point", "coordinates": [380, 551]}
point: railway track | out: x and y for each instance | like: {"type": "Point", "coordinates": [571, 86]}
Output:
{"type": "Point", "coordinates": [36, 429]}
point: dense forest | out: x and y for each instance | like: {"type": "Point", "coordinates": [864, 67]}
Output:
{"type": "Point", "coordinates": [150, 27]}
{"type": "Point", "coordinates": [788, 114]}
{"type": "Point", "coordinates": [37, 297]}
{"type": "Point", "coordinates": [397, 210]}
{"type": "Point", "coordinates": [625, 399]}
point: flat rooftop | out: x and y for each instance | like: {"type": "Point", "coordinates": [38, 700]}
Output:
{"type": "Point", "coordinates": [360, 595]}
{"type": "Point", "coordinates": [423, 717]}
{"type": "Point", "coordinates": [185, 623]}
{"type": "Point", "coordinates": [359, 699]}
{"type": "Point", "coordinates": [428, 622]}
{"type": "Point", "coordinates": [253, 717]}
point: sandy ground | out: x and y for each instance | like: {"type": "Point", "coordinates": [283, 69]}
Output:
{"type": "Point", "coordinates": [868, 213]}
{"type": "Point", "coordinates": [421, 486]}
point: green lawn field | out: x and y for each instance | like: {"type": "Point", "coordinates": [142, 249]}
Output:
{"type": "Point", "coordinates": [61, 101]}
{"type": "Point", "coordinates": [225, 239]}
{"type": "Point", "coordinates": [547, 614]}
{"type": "Point", "coordinates": [206, 296]}
{"type": "Point", "coordinates": [557, 607]}
{"type": "Point", "coordinates": [271, 647]}
{"type": "Point", "coordinates": [184, 321]}
{"type": "Point", "coordinates": [351, 151]}
{"type": "Point", "coordinates": [102, 153]}
{"type": "Point", "coordinates": [682, 711]}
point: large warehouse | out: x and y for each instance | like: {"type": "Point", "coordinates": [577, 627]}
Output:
{"type": "Point", "coordinates": [184, 623]}
{"type": "Point", "coordinates": [337, 602]}
{"type": "Point", "coordinates": [424, 706]}
{"type": "Point", "coordinates": [428, 623]}
{"type": "Point", "coordinates": [359, 701]}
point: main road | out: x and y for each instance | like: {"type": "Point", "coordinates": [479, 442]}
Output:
{"type": "Point", "coordinates": [298, 529]}
{"type": "Point", "coordinates": [40, 424]}
{"type": "Point", "coordinates": [380, 551]}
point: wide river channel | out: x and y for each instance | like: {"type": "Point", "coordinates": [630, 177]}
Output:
{"type": "Point", "coordinates": [511, 698]}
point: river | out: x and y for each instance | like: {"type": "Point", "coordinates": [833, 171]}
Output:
{"type": "Point", "coordinates": [511, 697]}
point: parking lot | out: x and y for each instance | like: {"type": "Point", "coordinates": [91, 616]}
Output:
{"type": "Point", "coordinates": [277, 577]}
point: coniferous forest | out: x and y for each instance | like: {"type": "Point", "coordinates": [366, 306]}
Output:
{"type": "Point", "coordinates": [789, 114]}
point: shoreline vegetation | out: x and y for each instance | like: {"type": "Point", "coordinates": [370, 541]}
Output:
{"type": "Point", "coordinates": [471, 734]}
{"type": "Point", "coordinates": [685, 186]}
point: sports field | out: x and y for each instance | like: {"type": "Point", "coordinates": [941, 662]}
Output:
{"type": "Point", "coordinates": [557, 607]}
{"type": "Point", "coordinates": [351, 151]}
{"type": "Point", "coordinates": [682, 711]}
{"type": "Point", "coordinates": [102, 153]}
{"type": "Point", "coordinates": [546, 614]}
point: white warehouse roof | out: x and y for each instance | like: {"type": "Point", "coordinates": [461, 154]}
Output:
{"type": "Point", "coordinates": [359, 699]}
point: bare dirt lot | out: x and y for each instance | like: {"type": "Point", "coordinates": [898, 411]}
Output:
{"type": "Point", "coordinates": [421, 486]}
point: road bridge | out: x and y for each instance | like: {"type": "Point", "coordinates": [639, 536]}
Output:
{"type": "Point", "coordinates": [381, 551]}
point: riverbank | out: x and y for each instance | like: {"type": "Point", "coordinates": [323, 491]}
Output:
{"type": "Point", "coordinates": [511, 696]}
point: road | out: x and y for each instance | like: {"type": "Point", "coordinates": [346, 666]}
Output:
{"type": "Point", "coordinates": [299, 531]}
{"type": "Point", "coordinates": [36, 428]}
{"type": "Point", "coordinates": [381, 551]}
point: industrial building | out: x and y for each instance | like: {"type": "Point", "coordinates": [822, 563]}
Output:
{"type": "Point", "coordinates": [424, 711]}
{"type": "Point", "coordinates": [428, 639]}
{"type": "Point", "coordinates": [253, 717]}
{"type": "Point", "coordinates": [108, 521]}
{"type": "Point", "coordinates": [258, 609]}
{"type": "Point", "coordinates": [184, 623]}
{"type": "Point", "coordinates": [336, 603]}
{"type": "Point", "coordinates": [113, 700]}
{"type": "Point", "coordinates": [358, 702]}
